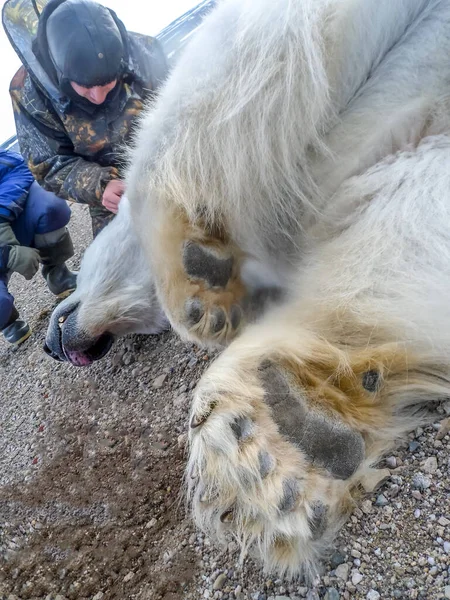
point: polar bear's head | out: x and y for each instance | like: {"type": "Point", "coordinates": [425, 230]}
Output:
{"type": "Point", "coordinates": [115, 296]}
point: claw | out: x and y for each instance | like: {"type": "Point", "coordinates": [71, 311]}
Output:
{"type": "Point", "coordinates": [198, 420]}
{"type": "Point", "coordinates": [208, 496]}
{"type": "Point", "coordinates": [227, 516]}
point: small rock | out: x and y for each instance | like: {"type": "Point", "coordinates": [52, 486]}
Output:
{"type": "Point", "coordinates": [447, 547]}
{"type": "Point", "coordinates": [181, 401]}
{"type": "Point", "coordinates": [410, 583]}
{"type": "Point", "coordinates": [413, 446]}
{"type": "Point", "coordinates": [373, 595]}
{"type": "Point", "coordinates": [98, 596]}
{"type": "Point", "coordinates": [417, 513]}
{"type": "Point", "coordinates": [311, 595]}
{"type": "Point", "coordinates": [151, 523]}
{"type": "Point", "coordinates": [331, 594]}
{"type": "Point", "coordinates": [447, 591]}
{"type": "Point", "coordinates": [128, 577]}
{"type": "Point", "coordinates": [444, 429]}
{"type": "Point", "coordinates": [366, 507]}
{"type": "Point", "coordinates": [356, 553]}
{"type": "Point", "coordinates": [129, 359]}
{"type": "Point", "coordinates": [382, 500]}
{"type": "Point", "coordinates": [220, 581]}
{"type": "Point", "coordinates": [374, 478]}
{"type": "Point", "coordinates": [394, 490]}
{"type": "Point", "coordinates": [357, 578]}
{"type": "Point", "coordinates": [342, 571]}
{"type": "Point", "coordinates": [430, 465]}
{"type": "Point", "coordinates": [337, 559]}
{"type": "Point", "coordinates": [159, 381]}
{"type": "Point", "coordinates": [391, 462]}
{"type": "Point", "coordinates": [421, 482]}
{"type": "Point", "coordinates": [443, 521]}
{"type": "Point", "coordinates": [416, 495]}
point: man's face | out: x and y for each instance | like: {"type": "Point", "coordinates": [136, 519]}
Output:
{"type": "Point", "coordinates": [96, 94]}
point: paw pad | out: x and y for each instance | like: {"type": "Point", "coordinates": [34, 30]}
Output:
{"type": "Point", "coordinates": [290, 495]}
{"type": "Point", "coordinates": [324, 438]}
{"type": "Point", "coordinates": [202, 263]}
{"type": "Point", "coordinates": [242, 428]}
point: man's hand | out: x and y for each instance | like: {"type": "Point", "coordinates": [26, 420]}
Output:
{"type": "Point", "coordinates": [112, 195]}
{"type": "Point", "coordinates": [23, 260]}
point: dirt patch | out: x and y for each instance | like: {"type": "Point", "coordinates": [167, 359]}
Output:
{"type": "Point", "coordinates": [107, 513]}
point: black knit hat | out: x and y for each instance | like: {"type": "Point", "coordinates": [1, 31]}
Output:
{"type": "Point", "coordinates": [85, 43]}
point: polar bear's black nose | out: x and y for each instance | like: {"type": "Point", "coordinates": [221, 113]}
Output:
{"type": "Point", "coordinates": [51, 353]}
{"type": "Point", "coordinates": [53, 341]}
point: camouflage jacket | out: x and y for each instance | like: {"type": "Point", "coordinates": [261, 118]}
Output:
{"type": "Point", "coordinates": [69, 151]}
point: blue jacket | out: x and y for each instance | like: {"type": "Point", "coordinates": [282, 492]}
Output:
{"type": "Point", "coordinates": [15, 181]}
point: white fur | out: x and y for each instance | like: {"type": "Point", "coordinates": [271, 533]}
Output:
{"type": "Point", "coordinates": [115, 288]}
{"type": "Point", "coordinates": [317, 133]}
{"type": "Point", "coordinates": [274, 105]}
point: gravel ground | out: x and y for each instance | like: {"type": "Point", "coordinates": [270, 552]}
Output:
{"type": "Point", "coordinates": [91, 462]}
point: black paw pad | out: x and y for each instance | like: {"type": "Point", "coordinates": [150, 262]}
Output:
{"type": "Point", "coordinates": [318, 520]}
{"type": "Point", "coordinates": [194, 310]}
{"type": "Point", "coordinates": [326, 440]}
{"type": "Point", "coordinates": [218, 320]}
{"type": "Point", "coordinates": [201, 263]}
{"type": "Point", "coordinates": [266, 463]}
{"type": "Point", "coordinates": [371, 381]}
{"type": "Point", "coordinates": [289, 498]}
{"type": "Point", "coordinates": [242, 428]}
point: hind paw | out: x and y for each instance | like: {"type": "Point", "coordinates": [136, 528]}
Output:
{"type": "Point", "coordinates": [268, 463]}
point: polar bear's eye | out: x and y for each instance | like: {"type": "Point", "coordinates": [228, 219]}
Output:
{"type": "Point", "coordinates": [371, 380]}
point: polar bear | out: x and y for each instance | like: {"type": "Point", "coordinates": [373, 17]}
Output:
{"type": "Point", "coordinates": [115, 296]}
{"type": "Point", "coordinates": [302, 145]}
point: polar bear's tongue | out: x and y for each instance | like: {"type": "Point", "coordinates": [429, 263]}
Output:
{"type": "Point", "coordinates": [79, 359]}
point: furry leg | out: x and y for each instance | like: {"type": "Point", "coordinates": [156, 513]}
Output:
{"type": "Point", "coordinates": [285, 429]}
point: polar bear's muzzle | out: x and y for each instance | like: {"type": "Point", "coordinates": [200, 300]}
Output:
{"type": "Point", "coordinates": [67, 341]}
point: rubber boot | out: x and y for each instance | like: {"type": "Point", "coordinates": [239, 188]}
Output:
{"type": "Point", "coordinates": [61, 282]}
{"type": "Point", "coordinates": [16, 331]}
